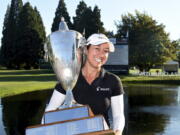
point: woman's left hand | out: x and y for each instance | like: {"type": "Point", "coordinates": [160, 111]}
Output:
{"type": "Point", "coordinates": [117, 132]}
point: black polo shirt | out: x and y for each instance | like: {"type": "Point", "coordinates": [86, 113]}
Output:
{"type": "Point", "coordinates": [97, 94]}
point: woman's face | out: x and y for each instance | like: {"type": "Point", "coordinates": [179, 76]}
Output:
{"type": "Point", "coordinates": [97, 55]}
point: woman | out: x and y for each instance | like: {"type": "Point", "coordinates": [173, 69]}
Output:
{"type": "Point", "coordinates": [96, 87]}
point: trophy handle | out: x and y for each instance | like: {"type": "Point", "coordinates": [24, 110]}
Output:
{"type": "Point", "coordinates": [69, 100]}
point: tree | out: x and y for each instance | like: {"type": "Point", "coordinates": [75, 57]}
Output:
{"type": "Point", "coordinates": [97, 23]}
{"type": "Point", "coordinates": [177, 49]}
{"type": "Point", "coordinates": [81, 8]}
{"type": "Point", "coordinates": [88, 20]}
{"type": "Point", "coordinates": [31, 38]}
{"type": "Point", "coordinates": [4, 40]}
{"type": "Point", "coordinates": [149, 44]}
{"type": "Point", "coordinates": [110, 34]}
{"type": "Point", "coordinates": [40, 26]}
{"type": "Point", "coordinates": [61, 11]}
{"type": "Point", "coordinates": [10, 33]}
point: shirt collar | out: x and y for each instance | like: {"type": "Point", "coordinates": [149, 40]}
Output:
{"type": "Point", "coordinates": [102, 73]}
{"type": "Point", "coordinates": [97, 81]}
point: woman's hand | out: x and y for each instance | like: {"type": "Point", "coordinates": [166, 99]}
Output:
{"type": "Point", "coordinates": [117, 132]}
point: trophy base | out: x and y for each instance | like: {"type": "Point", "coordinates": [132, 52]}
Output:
{"type": "Point", "coordinates": [63, 114]}
{"type": "Point", "coordinates": [73, 104]}
{"type": "Point", "coordinates": [69, 127]}
{"type": "Point", "coordinates": [104, 132]}
{"type": "Point", "coordinates": [69, 100]}
{"type": "Point", "coordinates": [69, 121]}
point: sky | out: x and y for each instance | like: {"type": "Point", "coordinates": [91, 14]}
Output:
{"type": "Point", "coordinates": [165, 12]}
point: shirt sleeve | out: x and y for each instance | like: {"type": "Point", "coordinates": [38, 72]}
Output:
{"type": "Point", "coordinates": [56, 100]}
{"type": "Point", "coordinates": [117, 88]}
{"type": "Point", "coordinates": [117, 104]}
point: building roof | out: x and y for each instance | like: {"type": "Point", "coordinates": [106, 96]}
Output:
{"type": "Point", "coordinates": [171, 62]}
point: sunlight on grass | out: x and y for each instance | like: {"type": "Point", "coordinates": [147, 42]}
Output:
{"type": "Point", "coordinates": [13, 82]}
{"type": "Point", "coordinates": [9, 89]}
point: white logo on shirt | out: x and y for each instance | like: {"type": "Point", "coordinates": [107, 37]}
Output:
{"type": "Point", "coordinates": [102, 89]}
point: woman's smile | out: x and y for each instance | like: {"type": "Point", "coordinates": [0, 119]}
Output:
{"type": "Point", "coordinates": [98, 60]}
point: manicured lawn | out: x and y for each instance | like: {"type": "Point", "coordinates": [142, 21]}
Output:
{"type": "Point", "coordinates": [13, 82]}
{"type": "Point", "coordinates": [174, 80]}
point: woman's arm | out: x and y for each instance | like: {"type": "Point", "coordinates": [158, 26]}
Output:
{"type": "Point", "coordinates": [56, 100]}
{"type": "Point", "coordinates": [117, 104]}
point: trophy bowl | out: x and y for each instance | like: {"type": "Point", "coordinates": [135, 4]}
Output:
{"type": "Point", "coordinates": [65, 55]}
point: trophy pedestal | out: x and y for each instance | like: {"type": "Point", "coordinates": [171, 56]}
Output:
{"type": "Point", "coordinates": [104, 132]}
{"type": "Point", "coordinates": [70, 121]}
{"type": "Point", "coordinates": [67, 114]}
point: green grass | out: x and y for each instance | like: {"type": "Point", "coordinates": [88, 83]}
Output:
{"type": "Point", "coordinates": [174, 80]}
{"type": "Point", "coordinates": [154, 79]}
{"type": "Point", "coordinates": [132, 71]}
{"type": "Point", "coordinates": [13, 82]}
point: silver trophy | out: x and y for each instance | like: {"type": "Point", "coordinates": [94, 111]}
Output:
{"type": "Point", "coordinates": [65, 54]}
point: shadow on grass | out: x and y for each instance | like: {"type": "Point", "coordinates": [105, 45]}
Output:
{"type": "Point", "coordinates": [21, 111]}
{"type": "Point", "coordinates": [25, 72]}
{"type": "Point", "coordinates": [165, 82]}
{"type": "Point", "coordinates": [27, 75]}
{"type": "Point", "coordinates": [28, 78]}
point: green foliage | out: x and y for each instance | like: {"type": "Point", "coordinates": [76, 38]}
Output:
{"type": "Point", "coordinates": [149, 44]}
{"type": "Point", "coordinates": [10, 33]}
{"type": "Point", "coordinates": [23, 37]}
{"type": "Point", "coordinates": [178, 57]}
{"type": "Point", "coordinates": [81, 8]}
{"type": "Point", "coordinates": [97, 23]}
{"type": "Point", "coordinates": [88, 20]}
{"type": "Point", "coordinates": [176, 45]}
{"type": "Point", "coordinates": [40, 26]}
{"type": "Point", "coordinates": [110, 34]}
{"type": "Point", "coordinates": [61, 11]}
{"type": "Point", "coordinates": [4, 40]}
{"type": "Point", "coordinates": [31, 39]}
